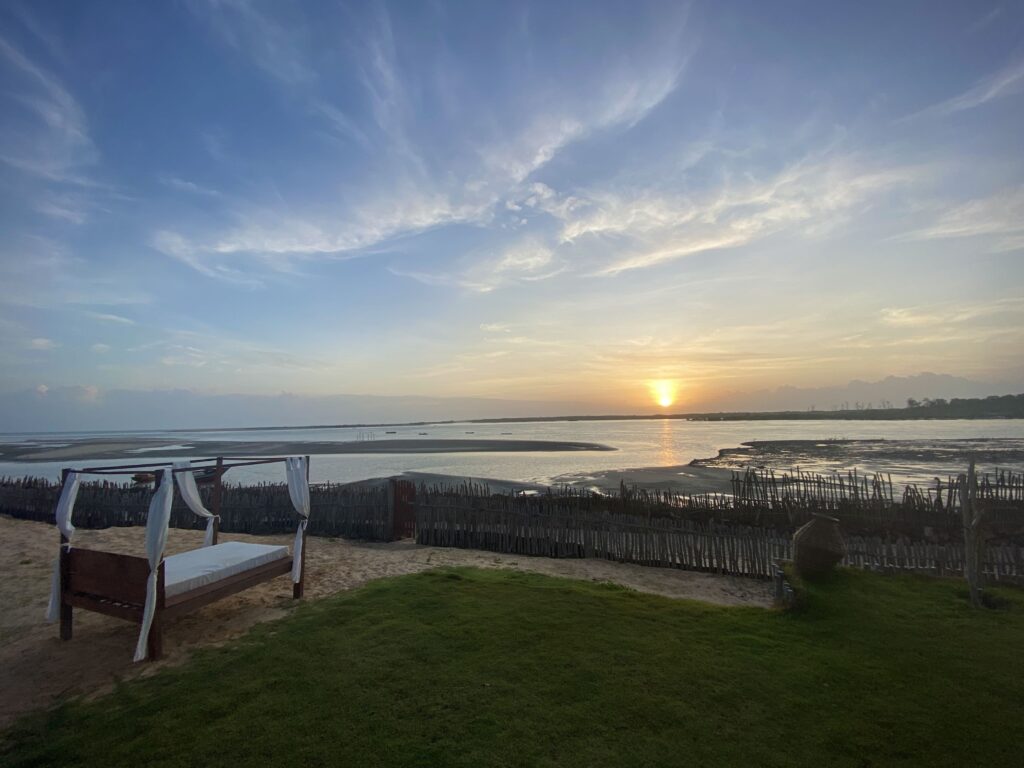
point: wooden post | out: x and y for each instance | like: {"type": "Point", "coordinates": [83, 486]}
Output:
{"type": "Point", "coordinates": [155, 641]}
{"type": "Point", "coordinates": [66, 614]}
{"type": "Point", "coordinates": [973, 539]}
{"type": "Point", "coordinates": [299, 588]}
{"type": "Point", "coordinates": [217, 497]}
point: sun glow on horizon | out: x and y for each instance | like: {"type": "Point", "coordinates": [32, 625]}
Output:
{"type": "Point", "coordinates": [663, 391]}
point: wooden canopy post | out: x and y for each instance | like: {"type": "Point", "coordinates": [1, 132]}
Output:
{"type": "Point", "coordinates": [66, 615]}
{"type": "Point", "coordinates": [299, 588]}
{"type": "Point", "coordinates": [218, 490]}
{"type": "Point", "coordinates": [155, 640]}
{"type": "Point", "coordinates": [972, 514]}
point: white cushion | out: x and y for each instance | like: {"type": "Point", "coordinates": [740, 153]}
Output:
{"type": "Point", "coordinates": [199, 567]}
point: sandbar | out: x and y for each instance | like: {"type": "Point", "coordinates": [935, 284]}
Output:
{"type": "Point", "coordinates": [143, 449]}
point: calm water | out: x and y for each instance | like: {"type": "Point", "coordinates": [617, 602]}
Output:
{"type": "Point", "coordinates": [637, 443]}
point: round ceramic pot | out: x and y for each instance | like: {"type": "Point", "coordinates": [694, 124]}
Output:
{"type": "Point", "coordinates": [818, 547]}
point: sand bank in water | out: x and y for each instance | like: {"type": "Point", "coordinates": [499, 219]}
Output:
{"type": "Point", "coordinates": [39, 669]}
{"type": "Point", "coordinates": [682, 478]}
{"type": "Point", "coordinates": [138, 450]}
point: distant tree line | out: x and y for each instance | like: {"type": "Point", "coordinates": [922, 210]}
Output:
{"type": "Point", "coordinates": [992, 407]}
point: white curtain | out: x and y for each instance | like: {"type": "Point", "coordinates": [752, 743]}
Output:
{"type": "Point", "coordinates": [298, 490]}
{"type": "Point", "coordinates": [65, 506]}
{"type": "Point", "coordinates": [158, 518]}
{"type": "Point", "coordinates": [190, 493]}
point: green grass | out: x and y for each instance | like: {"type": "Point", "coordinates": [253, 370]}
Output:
{"type": "Point", "coordinates": [479, 668]}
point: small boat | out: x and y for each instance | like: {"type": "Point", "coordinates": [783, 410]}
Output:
{"type": "Point", "coordinates": [391, 433]}
{"type": "Point", "coordinates": [207, 475]}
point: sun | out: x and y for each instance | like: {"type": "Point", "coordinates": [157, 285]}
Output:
{"type": "Point", "coordinates": [663, 391]}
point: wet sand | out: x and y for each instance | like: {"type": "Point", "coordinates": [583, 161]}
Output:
{"type": "Point", "coordinates": [137, 450]}
{"type": "Point", "coordinates": [38, 670]}
{"type": "Point", "coordinates": [682, 478]}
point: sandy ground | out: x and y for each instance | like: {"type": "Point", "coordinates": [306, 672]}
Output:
{"type": "Point", "coordinates": [37, 669]}
{"type": "Point", "coordinates": [682, 478]}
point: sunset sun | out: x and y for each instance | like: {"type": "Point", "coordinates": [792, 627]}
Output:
{"type": "Point", "coordinates": [663, 392]}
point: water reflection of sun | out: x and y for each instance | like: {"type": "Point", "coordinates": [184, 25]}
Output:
{"type": "Point", "coordinates": [663, 391]}
{"type": "Point", "coordinates": [667, 447]}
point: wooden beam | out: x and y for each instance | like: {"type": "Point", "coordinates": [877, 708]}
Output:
{"type": "Point", "coordinates": [106, 606]}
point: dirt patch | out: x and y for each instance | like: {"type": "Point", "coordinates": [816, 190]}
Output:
{"type": "Point", "coordinates": [39, 669]}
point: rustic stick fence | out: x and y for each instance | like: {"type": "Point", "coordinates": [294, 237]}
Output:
{"type": "Point", "coordinates": [558, 526]}
{"type": "Point", "coordinates": [353, 511]}
{"type": "Point", "coordinates": [742, 534]}
{"type": "Point", "coordinates": [664, 542]}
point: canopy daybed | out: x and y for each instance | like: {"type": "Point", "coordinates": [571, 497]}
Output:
{"type": "Point", "coordinates": [153, 589]}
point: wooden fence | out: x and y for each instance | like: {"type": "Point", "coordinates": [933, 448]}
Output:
{"type": "Point", "coordinates": [741, 535]}
{"type": "Point", "coordinates": [664, 542]}
{"type": "Point", "coordinates": [554, 525]}
{"type": "Point", "coordinates": [353, 511]}
{"type": "Point", "coordinates": [1002, 561]}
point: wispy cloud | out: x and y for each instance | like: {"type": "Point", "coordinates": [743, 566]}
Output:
{"type": "Point", "coordinates": [281, 50]}
{"type": "Point", "coordinates": [63, 207]}
{"type": "Point", "coordinates": [174, 245]}
{"type": "Point", "coordinates": [652, 228]}
{"type": "Point", "coordinates": [1005, 82]}
{"type": "Point", "coordinates": [998, 311]}
{"type": "Point", "coordinates": [623, 104]}
{"type": "Point", "coordinates": [44, 274]}
{"type": "Point", "coordinates": [526, 261]}
{"type": "Point", "coordinates": [110, 318]}
{"type": "Point", "coordinates": [273, 46]}
{"type": "Point", "coordinates": [418, 183]}
{"type": "Point", "coordinates": [1000, 215]}
{"type": "Point", "coordinates": [42, 343]}
{"type": "Point", "coordinates": [227, 354]}
{"type": "Point", "coordinates": [51, 140]}
{"type": "Point", "coordinates": [183, 185]}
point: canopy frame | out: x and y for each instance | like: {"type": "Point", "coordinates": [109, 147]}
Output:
{"type": "Point", "coordinates": [109, 583]}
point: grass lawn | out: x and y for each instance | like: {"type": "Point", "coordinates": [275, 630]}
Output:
{"type": "Point", "coordinates": [492, 668]}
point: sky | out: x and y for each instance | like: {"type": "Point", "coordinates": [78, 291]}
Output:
{"type": "Point", "coordinates": [533, 202]}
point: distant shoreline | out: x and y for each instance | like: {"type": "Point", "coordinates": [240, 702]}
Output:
{"type": "Point", "coordinates": [876, 414]}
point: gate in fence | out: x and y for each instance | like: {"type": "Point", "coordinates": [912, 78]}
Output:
{"type": "Point", "coordinates": [404, 522]}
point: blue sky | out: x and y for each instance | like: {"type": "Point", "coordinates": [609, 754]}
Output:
{"type": "Point", "coordinates": [532, 201]}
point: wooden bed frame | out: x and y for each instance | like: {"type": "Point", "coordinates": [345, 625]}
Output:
{"type": "Point", "coordinates": [115, 584]}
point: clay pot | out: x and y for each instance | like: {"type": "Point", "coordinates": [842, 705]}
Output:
{"type": "Point", "coordinates": [818, 547]}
